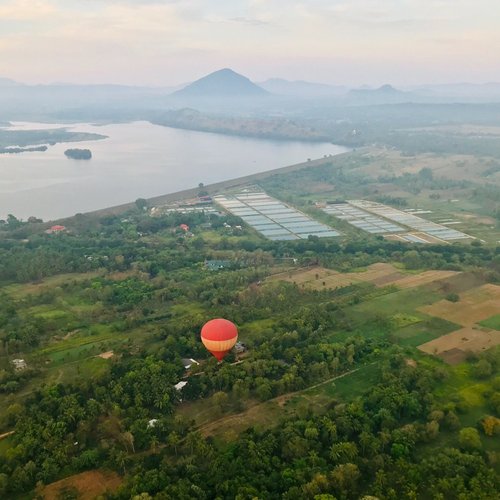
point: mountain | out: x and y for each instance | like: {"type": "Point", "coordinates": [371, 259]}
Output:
{"type": "Point", "coordinates": [300, 88]}
{"type": "Point", "coordinates": [386, 94]}
{"type": "Point", "coordinates": [224, 83]}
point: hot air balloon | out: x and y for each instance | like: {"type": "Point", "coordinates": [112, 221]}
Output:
{"type": "Point", "coordinates": [219, 336]}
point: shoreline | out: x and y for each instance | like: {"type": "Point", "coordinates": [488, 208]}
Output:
{"type": "Point", "coordinates": [249, 135]}
{"type": "Point", "coordinates": [212, 189]}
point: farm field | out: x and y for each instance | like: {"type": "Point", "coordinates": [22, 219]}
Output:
{"type": "Point", "coordinates": [380, 274]}
{"type": "Point", "coordinates": [493, 322]}
{"type": "Point", "coordinates": [473, 311]}
{"type": "Point", "coordinates": [86, 485]}
{"type": "Point", "coordinates": [474, 305]}
{"type": "Point", "coordinates": [397, 315]}
{"type": "Point", "coordinates": [454, 346]}
{"type": "Point", "coordinates": [421, 316]}
{"type": "Point", "coordinates": [387, 176]}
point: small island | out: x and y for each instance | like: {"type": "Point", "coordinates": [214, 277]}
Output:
{"type": "Point", "coordinates": [78, 154]}
{"type": "Point", "coordinates": [13, 150]}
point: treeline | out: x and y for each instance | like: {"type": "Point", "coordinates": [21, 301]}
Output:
{"type": "Point", "coordinates": [45, 256]}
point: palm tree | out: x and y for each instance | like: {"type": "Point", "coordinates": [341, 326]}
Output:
{"type": "Point", "coordinates": [154, 444]}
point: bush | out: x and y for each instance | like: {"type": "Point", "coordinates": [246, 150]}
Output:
{"type": "Point", "coordinates": [469, 439]}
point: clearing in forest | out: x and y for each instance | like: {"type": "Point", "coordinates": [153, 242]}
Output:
{"type": "Point", "coordinates": [268, 414]}
{"type": "Point", "coordinates": [379, 274]}
{"type": "Point", "coordinates": [90, 484]}
{"type": "Point", "coordinates": [21, 290]}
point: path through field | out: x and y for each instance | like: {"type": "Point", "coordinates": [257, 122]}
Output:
{"type": "Point", "coordinates": [6, 434]}
{"type": "Point", "coordinates": [207, 429]}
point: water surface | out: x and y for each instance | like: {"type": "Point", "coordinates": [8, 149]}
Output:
{"type": "Point", "coordinates": [137, 160]}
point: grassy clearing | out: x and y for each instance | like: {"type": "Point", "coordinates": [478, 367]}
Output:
{"type": "Point", "coordinates": [257, 329]}
{"type": "Point", "coordinates": [492, 322]}
{"type": "Point", "coordinates": [399, 302]}
{"type": "Point", "coordinates": [349, 387]}
{"type": "Point", "coordinates": [87, 343]}
{"type": "Point", "coordinates": [20, 291]}
{"type": "Point", "coordinates": [424, 331]}
{"type": "Point", "coordinates": [471, 391]}
{"type": "Point", "coordinates": [226, 427]}
{"type": "Point", "coordinates": [90, 484]}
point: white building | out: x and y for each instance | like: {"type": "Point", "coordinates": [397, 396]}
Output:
{"type": "Point", "coordinates": [19, 364]}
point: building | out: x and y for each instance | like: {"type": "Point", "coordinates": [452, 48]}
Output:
{"type": "Point", "coordinates": [217, 265]}
{"type": "Point", "coordinates": [56, 229]}
{"type": "Point", "coordinates": [189, 362]}
{"type": "Point", "coordinates": [240, 347]}
{"type": "Point", "coordinates": [180, 385]}
{"type": "Point", "coordinates": [19, 364]}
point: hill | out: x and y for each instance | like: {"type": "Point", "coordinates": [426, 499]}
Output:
{"type": "Point", "coordinates": [220, 84]}
{"type": "Point", "coordinates": [386, 94]}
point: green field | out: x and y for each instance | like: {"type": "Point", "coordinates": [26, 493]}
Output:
{"type": "Point", "coordinates": [493, 322]}
{"type": "Point", "coordinates": [349, 386]}
{"type": "Point", "coordinates": [427, 329]}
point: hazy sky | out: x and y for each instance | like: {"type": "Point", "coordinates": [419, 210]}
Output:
{"type": "Point", "coordinates": [166, 42]}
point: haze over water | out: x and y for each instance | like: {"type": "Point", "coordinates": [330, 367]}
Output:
{"type": "Point", "coordinates": [136, 160]}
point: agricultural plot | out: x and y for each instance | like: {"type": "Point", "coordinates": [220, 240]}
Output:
{"type": "Point", "coordinates": [380, 275]}
{"type": "Point", "coordinates": [90, 484]}
{"type": "Point", "coordinates": [410, 220]}
{"type": "Point", "coordinates": [493, 322]}
{"type": "Point", "coordinates": [375, 218]}
{"type": "Point", "coordinates": [453, 346]}
{"type": "Point", "coordinates": [410, 281]}
{"type": "Point", "coordinates": [362, 219]}
{"type": "Point", "coordinates": [273, 219]}
{"type": "Point", "coordinates": [475, 307]}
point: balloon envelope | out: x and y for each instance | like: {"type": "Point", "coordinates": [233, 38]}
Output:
{"type": "Point", "coordinates": [219, 336]}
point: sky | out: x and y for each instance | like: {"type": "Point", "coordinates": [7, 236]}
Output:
{"type": "Point", "coordinates": [169, 42]}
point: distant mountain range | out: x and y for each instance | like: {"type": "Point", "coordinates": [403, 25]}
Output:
{"type": "Point", "coordinates": [222, 92]}
{"type": "Point", "coordinates": [226, 83]}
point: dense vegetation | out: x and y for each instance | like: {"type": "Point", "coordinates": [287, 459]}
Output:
{"type": "Point", "coordinates": [23, 138]}
{"type": "Point", "coordinates": [385, 420]}
{"type": "Point", "coordinates": [78, 154]}
{"type": "Point", "coordinates": [22, 150]}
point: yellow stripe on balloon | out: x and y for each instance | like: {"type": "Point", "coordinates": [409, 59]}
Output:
{"type": "Point", "coordinates": [219, 345]}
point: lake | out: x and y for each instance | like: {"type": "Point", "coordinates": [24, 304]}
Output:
{"type": "Point", "coordinates": [137, 160]}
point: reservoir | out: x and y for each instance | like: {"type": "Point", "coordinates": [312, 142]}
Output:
{"type": "Point", "coordinates": [136, 160]}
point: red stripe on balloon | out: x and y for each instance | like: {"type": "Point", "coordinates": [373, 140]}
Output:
{"type": "Point", "coordinates": [219, 329]}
